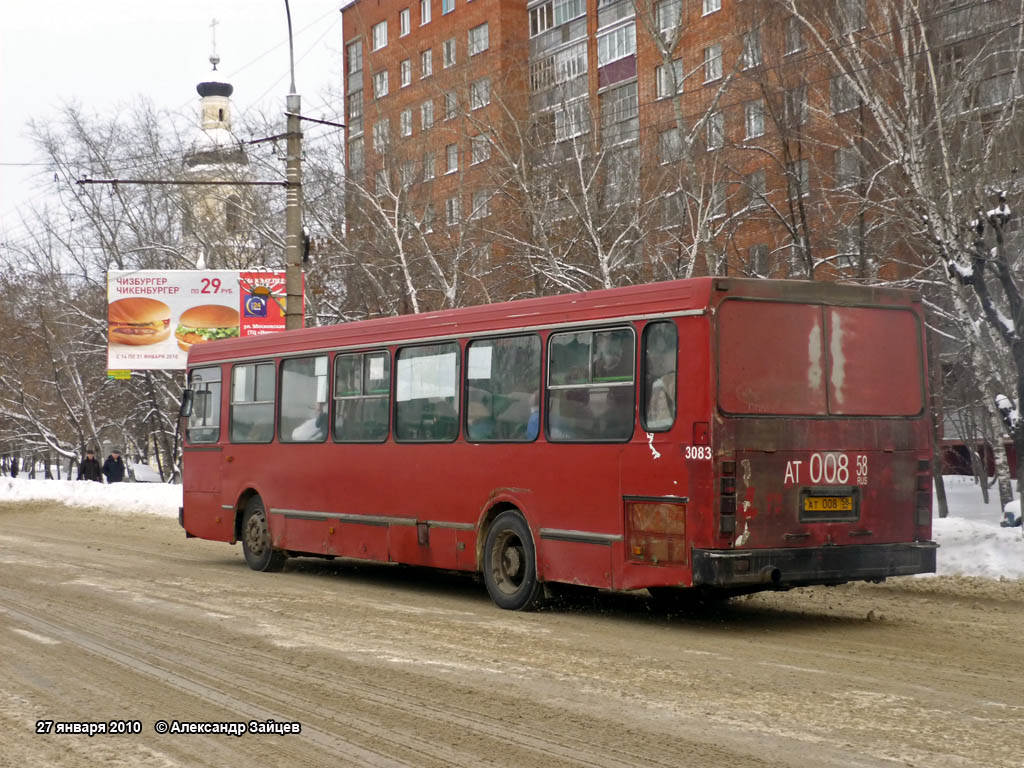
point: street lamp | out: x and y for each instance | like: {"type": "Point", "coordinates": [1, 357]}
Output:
{"type": "Point", "coordinates": [293, 316]}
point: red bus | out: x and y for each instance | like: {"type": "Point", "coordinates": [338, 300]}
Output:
{"type": "Point", "coordinates": [722, 434]}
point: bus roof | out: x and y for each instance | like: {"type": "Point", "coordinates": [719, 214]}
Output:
{"type": "Point", "coordinates": [634, 301]}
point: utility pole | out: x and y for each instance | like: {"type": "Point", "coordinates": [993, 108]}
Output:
{"type": "Point", "coordinates": [293, 314]}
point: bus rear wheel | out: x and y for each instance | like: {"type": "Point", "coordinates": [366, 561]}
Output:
{"type": "Point", "coordinates": [256, 544]}
{"type": "Point", "coordinates": [510, 563]}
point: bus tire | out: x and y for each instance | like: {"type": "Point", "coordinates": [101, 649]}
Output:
{"type": "Point", "coordinates": [510, 563]}
{"type": "Point", "coordinates": [256, 544]}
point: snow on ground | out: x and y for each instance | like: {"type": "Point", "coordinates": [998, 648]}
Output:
{"type": "Point", "coordinates": [972, 542]}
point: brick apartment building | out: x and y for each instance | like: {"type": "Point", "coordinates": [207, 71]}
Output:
{"type": "Point", "coordinates": [717, 135]}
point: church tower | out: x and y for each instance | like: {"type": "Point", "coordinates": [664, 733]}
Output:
{"type": "Point", "coordinates": [215, 221]}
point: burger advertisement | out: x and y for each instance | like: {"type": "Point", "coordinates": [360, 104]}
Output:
{"type": "Point", "coordinates": [155, 317]}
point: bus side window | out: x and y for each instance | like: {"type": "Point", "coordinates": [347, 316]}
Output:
{"type": "Point", "coordinates": [252, 403]}
{"type": "Point", "coordinates": [659, 404]}
{"type": "Point", "coordinates": [362, 389]}
{"type": "Point", "coordinates": [204, 423]}
{"type": "Point", "coordinates": [303, 417]}
{"type": "Point", "coordinates": [503, 381]}
{"type": "Point", "coordinates": [591, 385]}
{"type": "Point", "coordinates": [426, 393]}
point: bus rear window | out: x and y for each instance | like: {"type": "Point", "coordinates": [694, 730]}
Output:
{"type": "Point", "coordinates": [785, 359]}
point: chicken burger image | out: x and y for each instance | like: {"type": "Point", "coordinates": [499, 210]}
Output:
{"type": "Point", "coordinates": [138, 320]}
{"type": "Point", "coordinates": [207, 322]}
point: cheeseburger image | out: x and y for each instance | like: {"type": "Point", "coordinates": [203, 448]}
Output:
{"type": "Point", "coordinates": [207, 322]}
{"type": "Point", "coordinates": [138, 320]}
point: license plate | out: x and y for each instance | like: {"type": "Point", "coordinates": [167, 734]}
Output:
{"type": "Point", "coordinates": [828, 504]}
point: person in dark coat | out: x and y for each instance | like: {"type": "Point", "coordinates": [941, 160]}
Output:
{"type": "Point", "coordinates": [89, 469]}
{"type": "Point", "coordinates": [113, 467]}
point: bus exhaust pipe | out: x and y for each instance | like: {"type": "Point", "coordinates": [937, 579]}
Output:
{"type": "Point", "coordinates": [770, 575]}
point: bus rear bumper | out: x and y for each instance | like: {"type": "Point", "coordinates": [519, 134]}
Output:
{"type": "Point", "coordinates": [799, 566]}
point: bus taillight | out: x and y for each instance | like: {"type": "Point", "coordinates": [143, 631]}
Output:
{"type": "Point", "coordinates": [656, 530]}
{"type": "Point", "coordinates": [727, 516]}
{"type": "Point", "coordinates": [923, 507]}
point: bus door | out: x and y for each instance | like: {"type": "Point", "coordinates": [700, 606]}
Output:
{"type": "Point", "coordinates": [202, 450]}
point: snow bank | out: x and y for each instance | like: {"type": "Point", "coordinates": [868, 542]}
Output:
{"type": "Point", "coordinates": [124, 498]}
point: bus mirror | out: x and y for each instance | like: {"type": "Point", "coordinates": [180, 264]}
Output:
{"type": "Point", "coordinates": [186, 403]}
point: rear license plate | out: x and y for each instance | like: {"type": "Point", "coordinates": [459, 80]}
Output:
{"type": "Point", "coordinates": [828, 504]}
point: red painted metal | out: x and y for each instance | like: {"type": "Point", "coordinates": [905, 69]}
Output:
{"type": "Point", "coordinates": [430, 504]}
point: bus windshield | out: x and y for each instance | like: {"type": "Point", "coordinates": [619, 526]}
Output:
{"type": "Point", "coordinates": [778, 358]}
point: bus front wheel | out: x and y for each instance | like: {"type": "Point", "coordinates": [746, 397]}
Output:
{"type": "Point", "coordinates": [510, 563]}
{"type": "Point", "coordinates": [256, 543]}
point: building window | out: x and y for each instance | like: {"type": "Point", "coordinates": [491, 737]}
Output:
{"type": "Point", "coordinates": [380, 84]}
{"type": "Point", "coordinates": [381, 183]}
{"type": "Point", "coordinates": [354, 108]}
{"type": "Point", "coordinates": [710, 6]}
{"type": "Point", "coordinates": [362, 386]}
{"type": "Point", "coordinates": [752, 49]}
{"type": "Point", "coordinates": [447, 6]}
{"type": "Point", "coordinates": [451, 105]}
{"type": "Point", "coordinates": [481, 204]}
{"type": "Point", "coordinates": [757, 259]}
{"type": "Point", "coordinates": [354, 56]}
{"type": "Point", "coordinates": [619, 110]}
{"type": "Point", "coordinates": [852, 16]}
{"type": "Point", "coordinates": [380, 35]}
{"type": "Point", "coordinates": [717, 207]}
{"type": "Point", "coordinates": [481, 147]}
{"type": "Point", "coordinates": [756, 188]}
{"type": "Point", "coordinates": [847, 246]}
{"type": "Point", "coordinates": [405, 72]}
{"type": "Point", "coordinates": [426, 63]}
{"type": "Point", "coordinates": [794, 35]}
{"type": "Point", "coordinates": [451, 211]}
{"type": "Point", "coordinates": [478, 39]}
{"type": "Point", "coordinates": [754, 112]}
{"type": "Point", "coordinates": [669, 79]}
{"type": "Point", "coordinates": [668, 13]}
{"type": "Point", "coordinates": [426, 393]}
{"type": "Point", "coordinates": [427, 223]}
{"type": "Point", "coordinates": [798, 177]}
{"type": "Point", "coordinates": [355, 159]}
{"type": "Point", "coordinates": [567, 10]}
{"type": "Point", "coordinates": [381, 129]}
{"type": "Point", "coordinates": [403, 23]}
{"type": "Point", "coordinates": [796, 106]}
{"type": "Point", "coordinates": [424, 12]}
{"type": "Point", "coordinates": [716, 130]}
{"type": "Point", "coordinates": [617, 44]}
{"type": "Point", "coordinates": [847, 167]}
{"type": "Point", "coordinates": [541, 19]}
{"type": "Point", "coordinates": [572, 119]}
{"type": "Point", "coordinates": [843, 94]}
{"type": "Point", "coordinates": [405, 121]}
{"type": "Point", "coordinates": [427, 115]}
{"type": "Point", "coordinates": [451, 153]}
{"type": "Point", "coordinates": [480, 93]}
{"type": "Point", "coordinates": [428, 166]}
{"type": "Point", "coordinates": [712, 62]}
{"type": "Point", "coordinates": [448, 51]}
{"type": "Point", "coordinates": [669, 146]}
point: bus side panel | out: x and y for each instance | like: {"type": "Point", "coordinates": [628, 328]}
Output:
{"type": "Point", "coordinates": [203, 517]}
{"type": "Point", "coordinates": [576, 562]}
{"type": "Point", "coordinates": [423, 544]}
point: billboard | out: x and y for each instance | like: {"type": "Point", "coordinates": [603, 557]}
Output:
{"type": "Point", "coordinates": [155, 316]}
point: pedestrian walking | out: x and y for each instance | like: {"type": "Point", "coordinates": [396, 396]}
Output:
{"type": "Point", "coordinates": [113, 467]}
{"type": "Point", "coordinates": [89, 468]}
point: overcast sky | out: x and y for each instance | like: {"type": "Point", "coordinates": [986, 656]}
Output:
{"type": "Point", "coordinates": [104, 52]}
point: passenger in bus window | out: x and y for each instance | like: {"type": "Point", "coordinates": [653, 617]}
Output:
{"type": "Point", "coordinates": [660, 412]}
{"type": "Point", "coordinates": [533, 423]}
{"type": "Point", "coordinates": [314, 429]}
{"type": "Point", "coordinates": [479, 420]}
